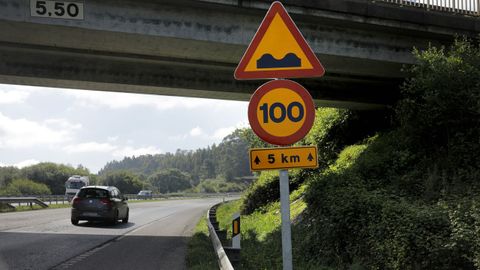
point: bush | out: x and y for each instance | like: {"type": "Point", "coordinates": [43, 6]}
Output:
{"type": "Point", "coordinates": [20, 187]}
{"type": "Point", "coordinates": [440, 115]}
{"type": "Point", "coordinates": [333, 129]}
{"type": "Point", "coordinates": [347, 224]}
{"type": "Point", "coordinates": [219, 185]}
{"type": "Point", "coordinates": [263, 191]}
{"type": "Point", "coordinates": [170, 180]}
{"type": "Point", "coordinates": [51, 174]}
{"type": "Point", "coordinates": [408, 198]}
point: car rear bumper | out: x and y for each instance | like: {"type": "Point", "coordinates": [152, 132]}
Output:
{"type": "Point", "coordinates": [93, 215]}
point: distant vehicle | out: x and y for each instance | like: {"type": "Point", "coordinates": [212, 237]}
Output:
{"type": "Point", "coordinates": [73, 185]}
{"type": "Point", "coordinates": [99, 203]}
{"type": "Point", "coordinates": [144, 194]}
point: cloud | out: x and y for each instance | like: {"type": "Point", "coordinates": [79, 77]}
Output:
{"type": "Point", "coordinates": [62, 123]}
{"type": "Point", "coordinates": [221, 133]}
{"type": "Point", "coordinates": [113, 138]}
{"type": "Point", "coordinates": [21, 164]}
{"type": "Point", "coordinates": [196, 131]}
{"type": "Point", "coordinates": [216, 135]}
{"type": "Point", "coordinates": [116, 151]}
{"type": "Point", "coordinates": [26, 163]}
{"type": "Point", "coordinates": [128, 100]}
{"type": "Point", "coordinates": [129, 151]}
{"type": "Point", "coordinates": [89, 147]}
{"type": "Point", "coordinates": [23, 133]}
{"type": "Point", "coordinates": [13, 96]}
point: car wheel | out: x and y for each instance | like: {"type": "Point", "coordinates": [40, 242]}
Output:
{"type": "Point", "coordinates": [74, 221]}
{"type": "Point", "coordinates": [125, 220]}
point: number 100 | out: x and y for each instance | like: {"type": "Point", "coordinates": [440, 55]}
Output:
{"type": "Point", "coordinates": [269, 113]}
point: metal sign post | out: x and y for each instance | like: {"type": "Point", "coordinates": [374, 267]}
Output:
{"type": "Point", "coordinates": [280, 112]}
{"type": "Point", "coordinates": [286, 227]}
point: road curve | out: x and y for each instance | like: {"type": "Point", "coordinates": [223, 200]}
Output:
{"type": "Point", "coordinates": [154, 238]}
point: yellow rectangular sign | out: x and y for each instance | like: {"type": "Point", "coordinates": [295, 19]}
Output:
{"type": "Point", "coordinates": [283, 158]}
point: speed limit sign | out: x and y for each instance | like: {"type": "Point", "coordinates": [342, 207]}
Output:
{"type": "Point", "coordinates": [281, 112]}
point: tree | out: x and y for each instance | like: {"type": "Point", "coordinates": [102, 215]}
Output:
{"type": "Point", "coordinates": [19, 187]}
{"type": "Point", "coordinates": [170, 180]}
{"type": "Point", "coordinates": [51, 174]}
{"type": "Point", "coordinates": [125, 181]}
{"type": "Point", "coordinates": [8, 174]}
{"type": "Point", "coordinates": [228, 160]}
{"type": "Point", "coordinates": [207, 170]}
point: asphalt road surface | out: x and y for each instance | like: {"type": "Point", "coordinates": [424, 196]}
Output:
{"type": "Point", "coordinates": [155, 238]}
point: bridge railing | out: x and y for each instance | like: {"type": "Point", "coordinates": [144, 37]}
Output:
{"type": "Point", "coordinates": [467, 7]}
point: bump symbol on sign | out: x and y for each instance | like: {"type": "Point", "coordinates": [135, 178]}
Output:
{"type": "Point", "coordinates": [268, 61]}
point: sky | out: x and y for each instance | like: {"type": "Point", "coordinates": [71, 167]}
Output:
{"type": "Point", "coordinates": [91, 128]}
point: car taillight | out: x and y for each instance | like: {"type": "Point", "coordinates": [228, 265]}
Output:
{"type": "Point", "coordinates": [106, 202]}
{"type": "Point", "coordinates": [76, 200]}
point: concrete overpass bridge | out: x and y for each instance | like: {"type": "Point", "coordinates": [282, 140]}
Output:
{"type": "Point", "coordinates": [191, 48]}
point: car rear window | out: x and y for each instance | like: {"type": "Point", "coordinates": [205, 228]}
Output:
{"type": "Point", "coordinates": [93, 193]}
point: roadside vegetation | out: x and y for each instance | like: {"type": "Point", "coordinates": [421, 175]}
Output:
{"type": "Point", "coordinates": [215, 169]}
{"type": "Point", "coordinates": [200, 253]}
{"type": "Point", "coordinates": [396, 189]}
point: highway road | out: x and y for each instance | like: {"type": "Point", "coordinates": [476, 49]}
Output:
{"type": "Point", "coordinates": [154, 238]}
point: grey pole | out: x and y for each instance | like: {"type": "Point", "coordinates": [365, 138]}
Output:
{"type": "Point", "coordinates": [286, 230]}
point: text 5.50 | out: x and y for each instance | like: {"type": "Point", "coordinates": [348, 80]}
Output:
{"type": "Point", "coordinates": [56, 9]}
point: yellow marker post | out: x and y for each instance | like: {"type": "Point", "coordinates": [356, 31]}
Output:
{"type": "Point", "coordinates": [236, 231]}
{"type": "Point", "coordinates": [283, 158]}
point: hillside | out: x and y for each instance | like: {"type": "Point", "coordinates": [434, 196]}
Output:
{"type": "Point", "coordinates": [222, 168]}
{"type": "Point", "coordinates": [227, 160]}
{"type": "Point", "coordinates": [396, 189]}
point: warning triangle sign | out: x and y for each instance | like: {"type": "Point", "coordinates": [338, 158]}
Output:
{"type": "Point", "coordinates": [278, 50]}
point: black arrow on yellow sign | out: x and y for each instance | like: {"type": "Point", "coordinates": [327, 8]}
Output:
{"type": "Point", "coordinates": [283, 158]}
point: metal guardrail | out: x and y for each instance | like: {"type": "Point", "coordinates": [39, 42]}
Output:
{"type": "Point", "coordinates": [19, 200]}
{"type": "Point", "coordinates": [53, 199]}
{"type": "Point", "coordinates": [180, 195]}
{"type": "Point", "coordinates": [223, 261]}
{"type": "Point", "coordinates": [62, 199]}
{"type": "Point", "coordinates": [466, 7]}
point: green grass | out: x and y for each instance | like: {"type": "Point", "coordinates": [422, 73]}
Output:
{"type": "Point", "coordinates": [200, 253]}
{"type": "Point", "coordinates": [261, 236]}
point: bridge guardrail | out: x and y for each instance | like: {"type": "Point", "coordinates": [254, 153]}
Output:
{"type": "Point", "coordinates": [466, 7]}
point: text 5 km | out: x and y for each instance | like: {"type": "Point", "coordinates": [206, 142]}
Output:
{"type": "Point", "coordinates": [56, 9]}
